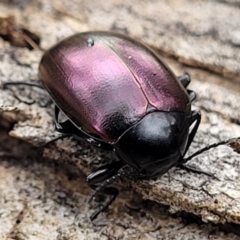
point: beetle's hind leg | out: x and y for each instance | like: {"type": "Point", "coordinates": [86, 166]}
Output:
{"type": "Point", "coordinates": [5, 85]}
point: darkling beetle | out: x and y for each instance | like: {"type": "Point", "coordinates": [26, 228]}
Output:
{"type": "Point", "coordinates": [119, 95]}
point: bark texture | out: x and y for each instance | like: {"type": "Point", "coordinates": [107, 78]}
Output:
{"type": "Point", "coordinates": [44, 199]}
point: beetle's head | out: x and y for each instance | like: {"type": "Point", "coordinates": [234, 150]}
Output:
{"type": "Point", "coordinates": [154, 144]}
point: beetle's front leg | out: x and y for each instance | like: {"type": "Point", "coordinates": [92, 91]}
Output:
{"type": "Point", "coordinates": [195, 119]}
{"type": "Point", "coordinates": [100, 179]}
{"type": "Point", "coordinates": [113, 192]}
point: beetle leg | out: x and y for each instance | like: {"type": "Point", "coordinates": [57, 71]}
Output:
{"type": "Point", "coordinates": [100, 179]}
{"type": "Point", "coordinates": [109, 191]}
{"type": "Point", "coordinates": [68, 128]}
{"type": "Point", "coordinates": [195, 117]}
{"type": "Point", "coordinates": [192, 95]}
{"type": "Point", "coordinates": [65, 127]}
{"type": "Point", "coordinates": [185, 79]}
{"type": "Point", "coordinates": [5, 86]}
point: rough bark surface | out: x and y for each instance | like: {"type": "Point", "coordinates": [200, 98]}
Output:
{"type": "Point", "coordinates": [42, 199]}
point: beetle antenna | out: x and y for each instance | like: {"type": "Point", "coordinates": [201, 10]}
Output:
{"type": "Point", "coordinates": [224, 142]}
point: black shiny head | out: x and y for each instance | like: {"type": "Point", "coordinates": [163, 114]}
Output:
{"type": "Point", "coordinates": [155, 144]}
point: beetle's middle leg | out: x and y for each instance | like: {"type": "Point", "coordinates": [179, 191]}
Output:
{"type": "Point", "coordinates": [67, 128]}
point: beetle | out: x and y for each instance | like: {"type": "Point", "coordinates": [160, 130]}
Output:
{"type": "Point", "coordinates": [119, 95]}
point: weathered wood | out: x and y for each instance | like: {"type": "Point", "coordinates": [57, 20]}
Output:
{"type": "Point", "coordinates": [196, 34]}
{"type": "Point", "coordinates": [44, 200]}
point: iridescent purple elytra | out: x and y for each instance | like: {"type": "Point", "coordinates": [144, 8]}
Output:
{"type": "Point", "coordinates": [105, 82]}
